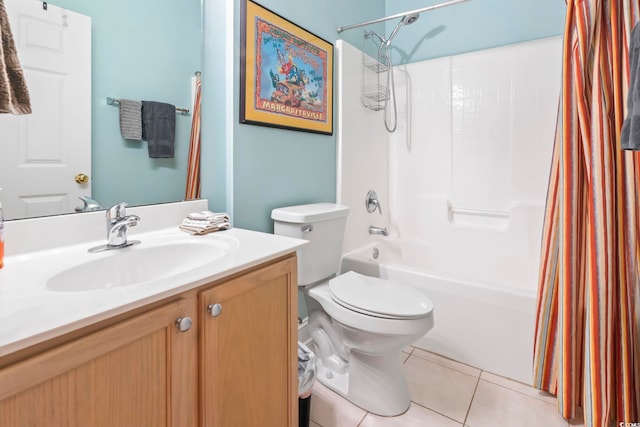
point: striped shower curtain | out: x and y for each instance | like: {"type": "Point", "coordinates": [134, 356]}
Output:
{"type": "Point", "coordinates": [193, 165]}
{"type": "Point", "coordinates": [586, 348]}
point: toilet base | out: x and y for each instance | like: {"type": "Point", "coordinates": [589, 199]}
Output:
{"type": "Point", "coordinates": [374, 383]}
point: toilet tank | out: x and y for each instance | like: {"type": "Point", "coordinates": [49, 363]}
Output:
{"type": "Point", "coordinates": [322, 224]}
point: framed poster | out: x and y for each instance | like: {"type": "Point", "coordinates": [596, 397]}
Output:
{"type": "Point", "coordinates": [286, 73]}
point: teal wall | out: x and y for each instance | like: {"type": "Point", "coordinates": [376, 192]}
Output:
{"type": "Point", "coordinates": [249, 170]}
{"type": "Point", "coordinates": [150, 50]}
{"type": "Point", "coordinates": [293, 167]}
{"type": "Point", "coordinates": [264, 168]}
{"type": "Point", "coordinates": [471, 25]}
{"type": "Point", "coordinates": [141, 50]}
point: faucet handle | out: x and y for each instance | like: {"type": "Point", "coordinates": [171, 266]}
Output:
{"type": "Point", "coordinates": [117, 212]}
{"type": "Point", "coordinates": [372, 202]}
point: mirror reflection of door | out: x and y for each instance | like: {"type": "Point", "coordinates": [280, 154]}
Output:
{"type": "Point", "coordinates": [41, 153]}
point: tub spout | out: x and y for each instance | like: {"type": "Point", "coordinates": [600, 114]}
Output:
{"type": "Point", "coordinates": [378, 230]}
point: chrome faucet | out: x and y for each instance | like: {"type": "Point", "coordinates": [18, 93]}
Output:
{"type": "Point", "coordinates": [378, 230]}
{"type": "Point", "coordinates": [88, 204]}
{"type": "Point", "coordinates": [118, 222]}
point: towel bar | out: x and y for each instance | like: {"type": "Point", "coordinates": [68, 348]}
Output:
{"type": "Point", "coordinates": [116, 101]}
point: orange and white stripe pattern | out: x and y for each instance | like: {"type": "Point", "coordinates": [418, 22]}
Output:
{"type": "Point", "coordinates": [193, 164]}
{"type": "Point", "coordinates": [586, 348]}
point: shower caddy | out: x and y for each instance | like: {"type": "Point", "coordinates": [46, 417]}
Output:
{"type": "Point", "coordinates": [375, 77]}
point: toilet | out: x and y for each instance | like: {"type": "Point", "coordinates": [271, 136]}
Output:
{"type": "Point", "coordinates": [358, 324]}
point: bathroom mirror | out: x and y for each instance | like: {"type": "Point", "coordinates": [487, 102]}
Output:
{"type": "Point", "coordinates": [142, 50]}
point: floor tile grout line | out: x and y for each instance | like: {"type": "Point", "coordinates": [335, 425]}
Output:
{"type": "Point", "coordinates": [477, 378]}
{"type": "Point", "coordinates": [473, 396]}
{"type": "Point", "coordinates": [362, 419]}
{"type": "Point", "coordinates": [434, 411]}
{"type": "Point", "coordinates": [450, 367]}
{"type": "Point", "coordinates": [444, 365]}
{"type": "Point", "coordinates": [518, 391]}
{"type": "Point", "coordinates": [481, 375]}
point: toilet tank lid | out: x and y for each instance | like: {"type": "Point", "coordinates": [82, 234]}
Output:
{"type": "Point", "coordinates": [309, 213]}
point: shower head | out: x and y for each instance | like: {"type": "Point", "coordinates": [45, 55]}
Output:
{"type": "Point", "coordinates": [406, 20]}
{"type": "Point", "coordinates": [410, 19]}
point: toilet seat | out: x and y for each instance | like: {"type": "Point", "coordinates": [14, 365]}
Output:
{"type": "Point", "coordinates": [379, 297]}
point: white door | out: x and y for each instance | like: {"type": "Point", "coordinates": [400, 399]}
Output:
{"type": "Point", "coordinates": [41, 153]}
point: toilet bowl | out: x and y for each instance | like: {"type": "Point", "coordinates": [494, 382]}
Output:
{"type": "Point", "coordinates": [359, 348]}
{"type": "Point", "coordinates": [358, 324]}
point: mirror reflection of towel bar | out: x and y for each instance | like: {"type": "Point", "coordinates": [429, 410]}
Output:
{"type": "Point", "coordinates": [116, 101]}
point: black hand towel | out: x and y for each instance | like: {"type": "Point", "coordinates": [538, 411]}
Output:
{"type": "Point", "coordinates": [159, 128]}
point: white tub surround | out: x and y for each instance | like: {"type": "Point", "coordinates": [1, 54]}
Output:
{"type": "Point", "coordinates": [362, 162]}
{"type": "Point", "coordinates": [39, 248]}
{"type": "Point", "coordinates": [464, 182]}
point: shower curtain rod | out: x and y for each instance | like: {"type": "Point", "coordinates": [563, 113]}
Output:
{"type": "Point", "coordinates": [400, 15]}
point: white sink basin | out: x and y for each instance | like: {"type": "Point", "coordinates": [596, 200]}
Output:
{"type": "Point", "coordinates": [135, 265]}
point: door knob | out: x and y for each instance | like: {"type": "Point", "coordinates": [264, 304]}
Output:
{"type": "Point", "coordinates": [81, 178]}
{"type": "Point", "coordinates": [184, 323]}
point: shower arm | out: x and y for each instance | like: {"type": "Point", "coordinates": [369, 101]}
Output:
{"type": "Point", "coordinates": [400, 15]}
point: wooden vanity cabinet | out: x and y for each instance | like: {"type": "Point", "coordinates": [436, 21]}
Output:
{"type": "Point", "coordinates": [235, 366]}
{"type": "Point", "coordinates": [128, 374]}
{"type": "Point", "coordinates": [248, 349]}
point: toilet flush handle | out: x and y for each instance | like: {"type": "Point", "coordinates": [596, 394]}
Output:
{"type": "Point", "coordinates": [307, 228]}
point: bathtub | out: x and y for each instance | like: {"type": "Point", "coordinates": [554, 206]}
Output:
{"type": "Point", "coordinates": [484, 318]}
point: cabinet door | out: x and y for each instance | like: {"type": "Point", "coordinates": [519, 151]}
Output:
{"type": "Point", "coordinates": [128, 374]}
{"type": "Point", "coordinates": [249, 349]}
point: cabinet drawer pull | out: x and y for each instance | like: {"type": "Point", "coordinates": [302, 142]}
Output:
{"type": "Point", "coordinates": [214, 309]}
{"type": "Point", "coordinates": [184, 323]}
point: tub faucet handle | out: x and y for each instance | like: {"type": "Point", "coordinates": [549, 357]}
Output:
{"type": "Point", "coordinates": [372, 202]}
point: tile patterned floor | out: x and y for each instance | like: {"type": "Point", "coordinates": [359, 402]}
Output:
{"type": "Point", "coordinates": [446, 393]}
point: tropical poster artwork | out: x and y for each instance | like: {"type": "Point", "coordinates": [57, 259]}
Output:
{"type": "Point", "coordinates": [290, 74]}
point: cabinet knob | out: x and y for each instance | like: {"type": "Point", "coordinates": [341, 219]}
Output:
{"type": "Point", "coordinates": [214, 309]}
{"type": "Point", "coordinates": [184, 323]}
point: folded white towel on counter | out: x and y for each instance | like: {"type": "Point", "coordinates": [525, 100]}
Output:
{"type": "Point", "coordinates": [204, 222]}
{"type": "Point", "coordinates": [196, 231]}
{"type": "Point", "coordinates": [209, 216]}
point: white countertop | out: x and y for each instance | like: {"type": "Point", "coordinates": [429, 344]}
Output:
{"type": "Point", "coordinates": [32, 313]}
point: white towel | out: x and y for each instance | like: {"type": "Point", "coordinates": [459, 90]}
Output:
{"type": "Point", "coordinates": [131, 119]}
{"type": "Point", "coordinates": [208, 216]}
{"type": "Point", "coordinates": [199, 230]}
{"type": "Point", "coordinates": [205, 222]}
